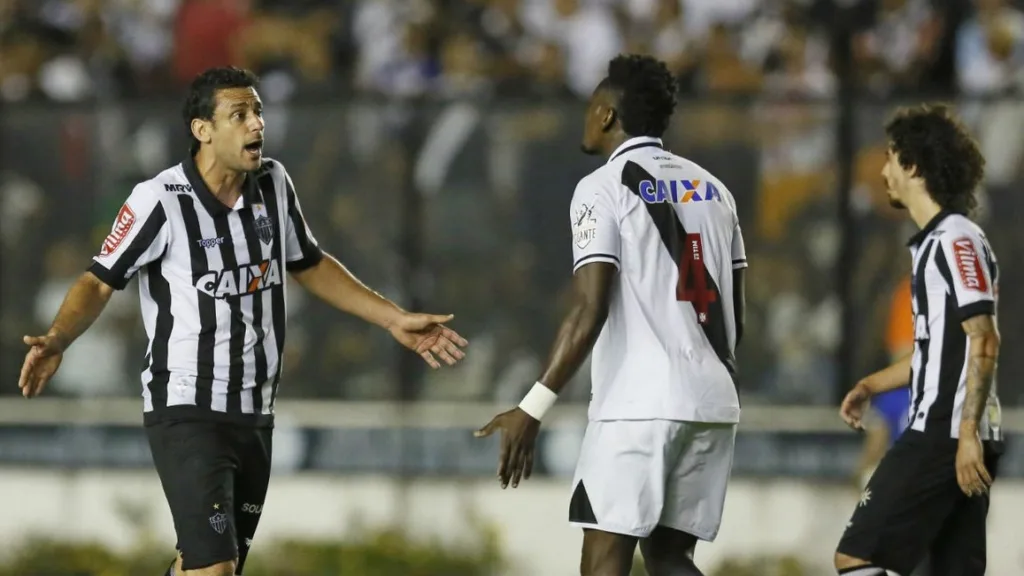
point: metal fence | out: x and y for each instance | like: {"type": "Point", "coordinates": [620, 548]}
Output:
{"type": "Point", "coordinates": [463, 207]}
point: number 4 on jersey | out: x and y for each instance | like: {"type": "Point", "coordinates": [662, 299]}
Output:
{"type": "Point", "coordinates": [693, 286]}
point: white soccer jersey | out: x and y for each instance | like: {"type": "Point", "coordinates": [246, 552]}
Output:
{"type": "Point", "coordinates": [956, 277]}
{"type": "Point", "coordinates": [667, 348]}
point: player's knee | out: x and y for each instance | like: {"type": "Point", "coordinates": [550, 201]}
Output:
{"type": "Point", "coordinates": [219, 569]}
{"type": "Point", "coordinates": [606, 554]}
{"type": "Point", "coordinates": [848, 565]}
{"type": "Point", "coordinates": [669, 553]}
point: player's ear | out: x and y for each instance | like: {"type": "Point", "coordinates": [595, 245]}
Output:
{"type": "Point", "coordinates": [201, 130]}
{"type": "Point", "coordinates": [608, 119]}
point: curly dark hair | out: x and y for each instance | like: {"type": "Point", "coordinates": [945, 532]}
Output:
{"type": "Point", "coordinates": [929, 137]}
{"type": "Point", "coordinates": [646, 93]}
{"type": "Point", "coordinates": [202, 94]}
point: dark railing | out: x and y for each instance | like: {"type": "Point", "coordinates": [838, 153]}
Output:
{"type": "Point", "coordinates": [463, 207]}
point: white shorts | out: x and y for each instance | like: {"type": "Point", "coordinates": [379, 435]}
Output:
{"type": "Point", "coordinates": [634, 475]}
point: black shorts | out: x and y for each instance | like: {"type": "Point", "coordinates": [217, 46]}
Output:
{"type": "Point", "coordinates": [215, 477]}
{"type": "Point", "coordinates": [913, 509]}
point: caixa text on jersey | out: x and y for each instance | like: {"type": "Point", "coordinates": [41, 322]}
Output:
{"type": "Point", "coordinates": [677, 191]}
{"type": "Point", "coordinates": [248, 279]}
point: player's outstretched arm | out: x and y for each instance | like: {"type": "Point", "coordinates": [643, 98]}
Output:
{"type": "Point", "coordinates": [81, 307]}
{"type": "Point", "coordinates": [591, 290]}
{"type": "Point", "coordinates": [856, 400]}
{"type": "Point", "coordinates": [895, 376]}
{"type": "Point", "coordinates": [424, 334]}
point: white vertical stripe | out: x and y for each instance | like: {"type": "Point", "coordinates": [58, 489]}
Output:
{"type": "Point", "coordinates": [270, 347]}
{"type": "Point", "coordinates": [961, 393]}
{"type": "Point", "coordinates": [148, 309]}
{"type": "Point", "coordinates": [222, 346]}
{"type": "Point", "coordinates": [936, 303]}
{"type": "Point", "coordinates": [270, 252]}
{"type": "Point", "coordinates": [183, 346]}
{"type": "Point", "coordinates": [936, 331]}
{"type": "Point", "coordinates": [241, 248]}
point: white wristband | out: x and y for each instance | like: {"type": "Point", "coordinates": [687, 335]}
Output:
{"type": "Point", "coordinates": [538, 400]}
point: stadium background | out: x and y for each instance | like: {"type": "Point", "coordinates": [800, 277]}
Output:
{"type": "Point", "coordinates": [434, 144]}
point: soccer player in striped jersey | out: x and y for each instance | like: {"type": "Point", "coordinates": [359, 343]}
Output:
{"type": "Point", "coordinates": [929, 496]}
{"type": "Point", "coordinates": [211, 240]}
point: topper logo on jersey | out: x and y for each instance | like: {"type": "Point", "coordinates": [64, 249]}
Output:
{"type": "Point", "coordinates": [677, 191]}
{"type": "Point", "coordinates": [968, 264]}
{"type": "Point", "coordinates": [248, 279]}
{"type": "Point", "coordinates": [122, 226]}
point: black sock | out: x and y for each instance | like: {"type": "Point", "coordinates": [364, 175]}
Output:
{"type": "Point", "coordinates": [863, 571]}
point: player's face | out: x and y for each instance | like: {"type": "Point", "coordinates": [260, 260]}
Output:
{"type": "Point", "coordinates": [237, 130]}
{"type": "Point", "coordinates": [600, 115]}
{"type": "Point", "coordinates": [896, 179]}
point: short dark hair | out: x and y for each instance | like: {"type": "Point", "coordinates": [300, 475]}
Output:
{"type": "Point", "coordinates": [929, 137]}
{"type": "Point", "coordinates": [202, 94]}
{"type": "Point", "coordinates": [646, 92]}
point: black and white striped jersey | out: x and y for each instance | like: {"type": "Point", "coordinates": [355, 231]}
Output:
{"type": "Point", "coordinates": [212, 288]}
{"type": "Point", "coordinates": [955, 277]}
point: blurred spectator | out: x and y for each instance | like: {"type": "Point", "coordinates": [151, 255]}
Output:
{"type": "Point", "coordinates": [205, 35]}
{"type": "Point", "coordinates": [724, 69]}
{"type": "Point", "coordinates": [990, 49]}
{"type": "Point", "coordinates": [900, 46]}
{"type": "Point", "coordinates": [587, 33]}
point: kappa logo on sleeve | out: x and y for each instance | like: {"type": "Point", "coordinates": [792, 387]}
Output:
{"type": "Point", "coordinates": [122, 226]}
{"type": "Point", "coordinates": [584, 226]}
{"type": "Point", "coordinates": [969, 265]}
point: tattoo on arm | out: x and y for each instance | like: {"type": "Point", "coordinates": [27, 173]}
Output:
{"type": "Point", "coordinates": [983, 339]}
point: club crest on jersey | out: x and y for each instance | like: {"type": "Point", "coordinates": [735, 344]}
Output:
{"type": "Point", "coordinates": [677, 191]}
{"type": "Point", "coordinates": [264, 224]}
{"type": "Point", "coordinates": [584, 225]}
{"type": "Point", "coordinates": [248, 279]}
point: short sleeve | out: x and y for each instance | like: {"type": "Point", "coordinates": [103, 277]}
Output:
{"type": "Point", "coordinates": [965, 260]}
{"type": "Point", "coordinates": [595, 227]}
{"type": "Point", "coordinates": [139, 236]}
{"type": "Point", "coordinates": [739, 250]}
{"type": "Point", "coordinates": [301, 248]}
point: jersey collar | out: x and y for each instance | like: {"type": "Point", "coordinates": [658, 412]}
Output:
{"type": "Point", "coordinates": [250, 191]}
{"type": "Point", "coordinates": [928, 228]}
{"type": "Point", "coordinates": [635, 143]}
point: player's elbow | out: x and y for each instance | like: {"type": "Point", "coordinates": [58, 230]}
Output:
{"type": "Point", "coordinates": [101, 289]}
{"type": "Point", "coordinates": [593, 313]}
{"type": "Point", "coordinates": [985, 345]}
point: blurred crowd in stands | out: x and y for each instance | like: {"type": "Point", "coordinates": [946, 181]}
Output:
{"type": "Point", "coordinates": [68, 50]}
{"type": "Point", "coordinates": [435, 145]}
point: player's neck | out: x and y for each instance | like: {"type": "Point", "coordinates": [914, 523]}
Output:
{"type": "Point", "coordinates": [613, 142]}
{"type": "Point", "coordinates": [224, 184]}
{"type": "Point", "coordinates": [923, 210]}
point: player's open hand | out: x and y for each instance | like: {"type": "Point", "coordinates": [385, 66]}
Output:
{"type": "Point", "coordinates": [426, 335]}
{"type": "Point", "coordinates": [854, 405]}
{"type": "Point", "coordinates": [971, 474]}
{"type": "Point", "coordinates": [41, 363]}
{"type": "Point", "coordinates": [518, 438]}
